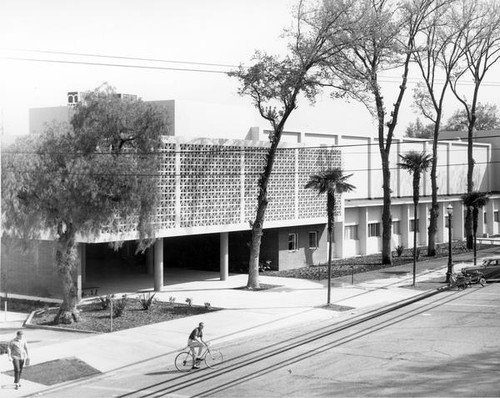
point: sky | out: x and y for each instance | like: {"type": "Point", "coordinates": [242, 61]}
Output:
{"type": "Point", "coordinates": [207, 35]}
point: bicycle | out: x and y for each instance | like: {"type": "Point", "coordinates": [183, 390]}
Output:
{"type": "Point", "coordinates": [184, 360]}
{"type": "Point", "coordinates": [462, 281]}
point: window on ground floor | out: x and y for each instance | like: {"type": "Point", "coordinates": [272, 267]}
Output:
{"type": "Point", "coordinates": [396, 227]}
{"type": "Point", "coordinates": [496, 216]}
{"type": "Point", "coordinates": [373, 229]}
{"type": "Point", "coordinates": [351, 232]}
{"type": "Point", "coordinates": [313, 239]}
{"type": "Point", "coordinates": [485, 217]}
{"type": "Point", "coordinates": [292, 241]}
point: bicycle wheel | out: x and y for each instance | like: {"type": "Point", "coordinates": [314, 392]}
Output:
{"type": "Point", "coordinates": [213, 358]}
{"type": "Point", "coordinates": [184, 362]}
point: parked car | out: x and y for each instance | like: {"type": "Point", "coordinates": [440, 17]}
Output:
{"type": "Point", "coordinates": [490, 268]}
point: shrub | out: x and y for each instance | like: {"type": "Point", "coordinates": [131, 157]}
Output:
{"type": "Point", "coordinates": [189, 301]}
{"type": "Point", "coordinates": [146, 301]}
{"type": "Point", "coordinates": [119, 306]}
{"type": "Point", "coordinates": [106, 300]}
{"type": "Point", "coordinates": [171, 300]}
{"type": "Point", "coordinates": [399, 250]}
{"type": "Point", "coordinates": [208, 305]}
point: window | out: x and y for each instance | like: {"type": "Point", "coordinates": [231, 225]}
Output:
{"type": "Point", "coordinates": [313, 239]}
{"type": "Point", "coordinates": [292, 242]}
{"type": "Point", "coordinates": [485, 218]}
{"type": "Point", "coordinates": [412, 225]}
{"type": "Point", "coordinates": [374, 229]}
{"type": "Point", "coordinates": [495, 216]}
{"type": "Point", "coordinates": [396, 227]}
{"type": "Point", "coordinates": [447, 221]}
{"type": "Point", "coordinates": [351, 232]}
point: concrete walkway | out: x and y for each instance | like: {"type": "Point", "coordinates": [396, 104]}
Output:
{"type": "Point", "coordinates": [245, 313]}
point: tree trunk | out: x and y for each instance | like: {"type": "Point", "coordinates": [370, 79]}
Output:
{"type": "Point", "coordinates": [416, 193]}
{"type": "Point", "coordinates": [386, 212]}
{"type": "Point", "coordinates": [475, 215]}
{"type": "Point", "coordinates": [468, 228]}
{"type": "Point", "coordinates": [258, 224]}
{"type": "Point", "coordinates": [470, 173]}
{"type": "Point", "coordinates": [434, 211]}
{"type": "Point", "coordinates": [257, 228]}
{"type": "Point", "coordinates": [66, 255]}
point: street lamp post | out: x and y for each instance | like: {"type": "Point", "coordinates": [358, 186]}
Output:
{"type": "Point", "coordinates": [449, 210]}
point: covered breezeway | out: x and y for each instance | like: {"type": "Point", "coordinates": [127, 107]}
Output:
{"type": "Point", "coordinates": [108, 271]}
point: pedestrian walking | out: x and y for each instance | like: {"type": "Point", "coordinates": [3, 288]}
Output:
{"type": "Point", "coordinates": [17, 352]}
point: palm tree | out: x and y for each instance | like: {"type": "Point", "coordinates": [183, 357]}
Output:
{"type": "Point", "coordinates": [331, 181]}
{"type": "Point", "coordinates": [475, 200]}
{"type": "Point", "coordinates": [415, 163]}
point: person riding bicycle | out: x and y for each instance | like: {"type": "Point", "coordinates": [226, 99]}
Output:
{"type": "Point", "coordinates": [196, 340]}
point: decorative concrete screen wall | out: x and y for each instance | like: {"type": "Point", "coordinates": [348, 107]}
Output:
{"type": "Point", "coordinates": [210, 186]}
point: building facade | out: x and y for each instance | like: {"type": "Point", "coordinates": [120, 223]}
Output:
{"type": "Point", "coordinates": [208, 190]}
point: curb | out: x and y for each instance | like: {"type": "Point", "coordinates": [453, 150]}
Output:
{"type": "Point", "coordinates": [28, 325]}
{"type": "Point", "coordinates": [342, 324]}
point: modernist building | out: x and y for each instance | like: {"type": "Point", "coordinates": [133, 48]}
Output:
{"type": "Point", "coordinates": [208, 199]}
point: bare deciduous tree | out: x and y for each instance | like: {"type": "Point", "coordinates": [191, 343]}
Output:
{"type": "Point", "coordinates": [382, 35]}
{"type": "Point", "coordinates": [481, 45]}
{"type": "Point", "coordinates": [438, 53]}
{"type": "Point", "coordinates": [275, 84]}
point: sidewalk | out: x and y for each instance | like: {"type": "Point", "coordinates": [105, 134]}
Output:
{"type": "Point", "coordinates": [245, 313]}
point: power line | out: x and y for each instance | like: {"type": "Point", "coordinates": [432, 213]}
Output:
{"type": "Point", "coordinates": [114, 65]}
{"type": "Point", "coordinates": [121, 57]}
{"type": "Point", "coordinates": [250, 149]}
{"type": "Point", "coordinates": [382, 79]}
{"type": "Point", "coordinates": [227, 173]}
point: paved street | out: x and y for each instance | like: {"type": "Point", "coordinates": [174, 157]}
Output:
{"type": "Point", "coordinates": [445, 345]}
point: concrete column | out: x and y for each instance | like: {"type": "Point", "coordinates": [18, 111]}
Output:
{"type": "Point", "coordinates": [440, 234]}
{"type": "Point", "coordinates": [158, 265]}
{"type": "Point", "coordinates": [224, 256]}
{"type": "Point", "coordinates": [426, 176]}
{"type": "Point", "coordinates": [406, 239]}
{"type": "Point", "coordinates": [363, 230]}
{"type": "Point", "coordinates": [398, 170]}
{"type": "Point", "coordinates": [448, 169]}
{"type": "Point", "coordinates": [150, 260]}
{"type": "Point", "coordinates": [480, 223]}
{"type": "Point", "coordinates": [369, 152]}
{"type": "Point", "coordinates": [338, 232]}
{"type": "Point", "coordinates": [80, 276]}
{"type": "Point", "coordinates": [490, 215]}
{"type": "Point", "coordinates": [458, 232]}
{"type": "Point", "coordinates": [423, 221]}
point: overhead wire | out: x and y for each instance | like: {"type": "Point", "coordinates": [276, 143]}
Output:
{"type": "Point", "coordinates": [235, 148]}
{"type": "Point", "coordinates": [383, 78]}
{"type": "Point", "coordinates": [229, 172]}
